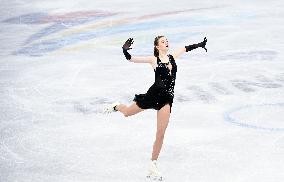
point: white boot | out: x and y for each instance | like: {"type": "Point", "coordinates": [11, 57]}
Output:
{"type": "Point", "coordinates": [110, 108]}
{"type": "Point", "coordinates": [153, 172]}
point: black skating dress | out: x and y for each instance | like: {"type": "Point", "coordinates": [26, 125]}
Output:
{"type": "Point", "coordinates": [162, 91]}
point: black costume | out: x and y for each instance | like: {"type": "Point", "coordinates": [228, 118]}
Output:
{"type": "Point", "coordinates": [162, 91]}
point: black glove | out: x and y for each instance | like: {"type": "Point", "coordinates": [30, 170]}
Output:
{"type": "Point", "coordinates": [194, 46]}
{"type": "Point", "coordinates": [126, 47]}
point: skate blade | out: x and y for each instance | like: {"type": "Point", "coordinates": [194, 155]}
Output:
{"type": "Point", "coordinates": [154, 178]}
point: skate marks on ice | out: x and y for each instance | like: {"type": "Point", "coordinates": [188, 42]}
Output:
{"type": "Point", "coordinates": [92, 105]}
{"type": "Point", "coordinates": [209, 92]}
{"type": "Point", "coordinates": [259, 55]}
{"type": "Point", "coordinates": [218, 88]}
{"type": "Point", "coordinates": [268, 117]}
{"type": "Point", "coordinates": [198, 93]}
{"type": "Point", "coordinates": [201, 94]}
{"type": "Point", "coordinates": [262, 81]}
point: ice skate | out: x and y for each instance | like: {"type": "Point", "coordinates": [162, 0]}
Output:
{"type": "Point", "coordinates": [153, 172]}
{"type": "Point", "coordinates": [110, 108]}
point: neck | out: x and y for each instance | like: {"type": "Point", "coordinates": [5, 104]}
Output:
{"type": "Point", "coordinates": [162, 54]}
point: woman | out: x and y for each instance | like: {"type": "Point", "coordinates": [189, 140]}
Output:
{"type": "Point", "coordinates": [160, 95]}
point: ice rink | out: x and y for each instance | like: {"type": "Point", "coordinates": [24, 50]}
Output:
{"type": "Point", "coordinates": [61, 62]}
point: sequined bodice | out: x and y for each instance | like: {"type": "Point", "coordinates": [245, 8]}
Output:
{"type": "Point", "coordinates": [164, 77]}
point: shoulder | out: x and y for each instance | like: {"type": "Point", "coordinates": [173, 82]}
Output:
{"type": "Point", "coordinates": [171, 56]}
{"type": "Point", "coordinates": [153, 59]}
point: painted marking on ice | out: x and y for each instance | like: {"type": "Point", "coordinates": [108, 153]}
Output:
{"type": "Point", "coordinates": [68, 29]}
{"type": "Point", "coordinates": [229, 118]}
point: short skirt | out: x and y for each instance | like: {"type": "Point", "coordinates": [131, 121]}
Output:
{"type": "Point", "coordinates": [155, 98]}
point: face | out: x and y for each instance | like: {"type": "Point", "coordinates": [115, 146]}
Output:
{"type": "Point", "coordinates": [163, 44]}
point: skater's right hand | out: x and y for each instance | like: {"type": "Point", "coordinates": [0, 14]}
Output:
{"type": "Point", "coordinates": [126, 47]}
{"type": "Point", "coordinates": [127, 44]}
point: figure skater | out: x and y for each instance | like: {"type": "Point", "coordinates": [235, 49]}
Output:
{"type": "Point", "coordinates": [160, 95]}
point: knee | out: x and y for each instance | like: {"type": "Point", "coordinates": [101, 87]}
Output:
{"type": "Point", "coordinates": [126, 114]}
{"type": "Point", "coordinates": [124, 111]}
{"type": "Point", "coordinates": [160, 135]}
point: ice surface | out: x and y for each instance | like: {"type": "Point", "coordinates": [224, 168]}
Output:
{"type": "Point", "coordinates": [61, 63]}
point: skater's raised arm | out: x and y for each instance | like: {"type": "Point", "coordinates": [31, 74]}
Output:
{"type": "Point", "coordinates": [180, 51]}
{"type": "Point", "coordinates": [177, 53]}
{"type": "Point", "coordinates": [142, 59]}
{"type": "Point", "coordinates": [135, 59]}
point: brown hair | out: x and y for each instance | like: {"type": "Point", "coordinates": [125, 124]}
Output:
{"type": "Point", "coordinates": [156, 41]}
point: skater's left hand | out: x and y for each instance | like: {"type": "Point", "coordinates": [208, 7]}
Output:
{"type": "Point", "coordinates": [194, 46]}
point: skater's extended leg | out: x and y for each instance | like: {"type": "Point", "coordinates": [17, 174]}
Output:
{"type": "Point", "coordinates": [128, 110]}
{"type": "Point", "coordinates": [163, 116]}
